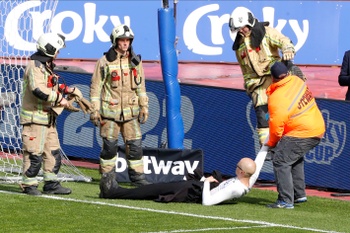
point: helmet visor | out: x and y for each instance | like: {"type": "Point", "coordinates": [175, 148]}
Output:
{"type": "Point", "coordinates": [63, 39]}
{"type": "Point", "coordinates": [232, 26]}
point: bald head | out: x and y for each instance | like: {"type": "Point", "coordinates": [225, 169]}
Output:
{"type": "Point", "coordinates": [247, 165]}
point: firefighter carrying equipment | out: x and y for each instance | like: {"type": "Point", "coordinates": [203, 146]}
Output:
{"type": "Point", "coordinates": [77, 96]}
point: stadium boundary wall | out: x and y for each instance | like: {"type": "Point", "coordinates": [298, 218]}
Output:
{"type": "Point", "coordinates": [221, 123]}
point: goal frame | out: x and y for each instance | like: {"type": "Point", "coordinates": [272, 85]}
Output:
{"type": "Point", "coordinates": [12, 66]}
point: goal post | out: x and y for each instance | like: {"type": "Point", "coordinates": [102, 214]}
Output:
{"type": "Point", "coordinates": [16, 26]}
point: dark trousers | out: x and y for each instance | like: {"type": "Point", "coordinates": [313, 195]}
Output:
{"type": "Point", "coordinates": [288, 165]}
{"type": "Point", "coordinates": [180, 191]}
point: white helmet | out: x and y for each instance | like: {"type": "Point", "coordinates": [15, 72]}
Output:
{"type": "Point", "coordinates": [241, 17]}
{"type": "Point", "coordinates": [50, 43]}
{"type": "Point", "coordinates": [121, 31]}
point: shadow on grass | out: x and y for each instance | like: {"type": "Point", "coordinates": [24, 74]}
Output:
{"type": "Point", "coordinates": [255, 200]}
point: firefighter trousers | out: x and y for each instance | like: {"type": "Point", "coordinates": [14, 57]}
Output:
{"type": "Point", "coordinates": [39, 141]}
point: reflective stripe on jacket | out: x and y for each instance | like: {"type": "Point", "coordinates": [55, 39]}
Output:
{"type": "Point", "coordinates": [293, 111]}
{"type": "Point", "coordinates": [117, 89]}
{"type": "Point", "coordinates": [35, 110]}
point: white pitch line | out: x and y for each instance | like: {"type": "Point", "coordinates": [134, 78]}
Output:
{"type": "Point", "coordinates": [266, 224]}
{"type": "Point", "coordinates": [211, 229]}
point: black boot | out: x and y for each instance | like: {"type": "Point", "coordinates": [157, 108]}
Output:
{"type": "Point", "coordinates": [31, 190]}
{"type": "Point", "coordinates": [138, 179]}
{"type": "Point", "coordinates": [108, 184]}
{"type": "Point", "coordinates": [54, 187]}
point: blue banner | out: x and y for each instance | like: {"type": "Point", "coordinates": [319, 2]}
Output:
{"type": "Point", "coordinates": [317, 28]}
{"type": "Point", "coordinates": [220, 122]}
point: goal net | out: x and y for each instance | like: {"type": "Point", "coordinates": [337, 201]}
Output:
{"type": "Point", "coordinates": [17, 18]}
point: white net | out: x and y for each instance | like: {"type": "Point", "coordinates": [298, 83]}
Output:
{"type": "Point", "coordinates": [21, 22]}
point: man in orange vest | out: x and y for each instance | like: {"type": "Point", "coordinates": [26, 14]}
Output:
{"type": "Point", "coordinates": [296, 126]}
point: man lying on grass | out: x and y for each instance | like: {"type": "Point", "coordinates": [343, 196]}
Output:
{"type": "Point", "coordinates": [196, 189]}
{"type": "Point", "coordinates": [210, 190]}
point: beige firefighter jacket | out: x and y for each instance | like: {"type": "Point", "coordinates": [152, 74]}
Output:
{"type": "Point", "coordinates": [37, 108]}
{"type": "Point", "coordinates": [255, 62]}
{"type": "Point", "coordinates": [117, 89]}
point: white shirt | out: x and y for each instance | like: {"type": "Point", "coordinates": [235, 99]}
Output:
{"type": "Point", "coordinates": [232, 188]}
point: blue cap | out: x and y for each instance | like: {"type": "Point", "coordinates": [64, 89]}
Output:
{"type": "Point", "coordinates": [278, 69]}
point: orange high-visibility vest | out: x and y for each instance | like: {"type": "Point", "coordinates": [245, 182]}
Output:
{"type": "Point", "coordinates": [293, 111]}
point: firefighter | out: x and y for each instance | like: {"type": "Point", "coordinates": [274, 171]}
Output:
{"type": "Point", "coordinates": [43, 99]}
{"type": "Point", "coordinates": [257, 47]}
{"type": "Point", "coordinates": [118, 95]}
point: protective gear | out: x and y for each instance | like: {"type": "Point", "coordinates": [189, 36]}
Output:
{"type": "Point", "coordinates": [38, 117]}
{"type": "Point", "coordinates": [36, 105]}
{"type": "Point", "coordinates": [63, 88]}
{"type": "Point", "coordinates": [77, 96]}
{"type": "Point", "coordinates": [122, 100]}
{"type": "Point", "coordinates": [257, 91]}
{"type": "Point", "coordinates": [134, 59]}
{"type": "Point", "coordinates": [255, 62]}
{"type": "Point", "coordinates": [54, 187]}
{"type": "Point", "coordinates": [241, 17]}
{"type": "Point", "coordinates": [136, 172]}
{"type": "Point", "coordinates": [288, 53]}
{"type": "Point", "coordinates": [263, 133]}
{"type": "Point", "coordinates": [143, 115]}
{"type": "Point", "coordinates": [39, 94]}
{"type": "Point", "coordinates": [95, 118]}
{"type": "Point", "coordinates": [108, 183]}
{"type": "Point", "coordinates": [134, 154]}
{"type": "Point", "coordinates": [57, 155]}
{"type": "Point", "coordinates": [262, 116]}
{"type": "Point", "coordinates": [133, 149]}
{"type": "Point", "coordinates": [83, 103]}
{"type": "Point", "coordinates": [107, 165]}
{"type": "Point", "coordinates": [50, 43]}
{"type": "Point", "coordinates": [35, 165]}
{"type": "Point", "coordinates": [70, 107]}
{"type": "Point", "coordinates": [138, 179]}
{"type": "Point", "coordinates": [76, 93]}
{"type": "Point", "coordinates": [118, 94]}
{"type": "Point", "coordinates": [109, 149]}
{"type": "Point", "coordinates": [262, 127]}
{"type": "Point", "coordinates": [31, 190]}
{"type": "Point", "coordinates": [119, 32]}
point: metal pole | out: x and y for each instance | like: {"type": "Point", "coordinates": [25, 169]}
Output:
{"type": "Point", "coordinates": [175, 4]}
{"type": "Point", "coordinates": [165, 4]}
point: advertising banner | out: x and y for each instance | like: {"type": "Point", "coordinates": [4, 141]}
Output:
{"type": "Point", "coordinates": [221, 123]}
{"type": "Point", "coordinates": [162, 165]}
{"type": "Point", "coordinates": [218, 121]}
{"type": "Point", "coordinates": [317, 28]}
